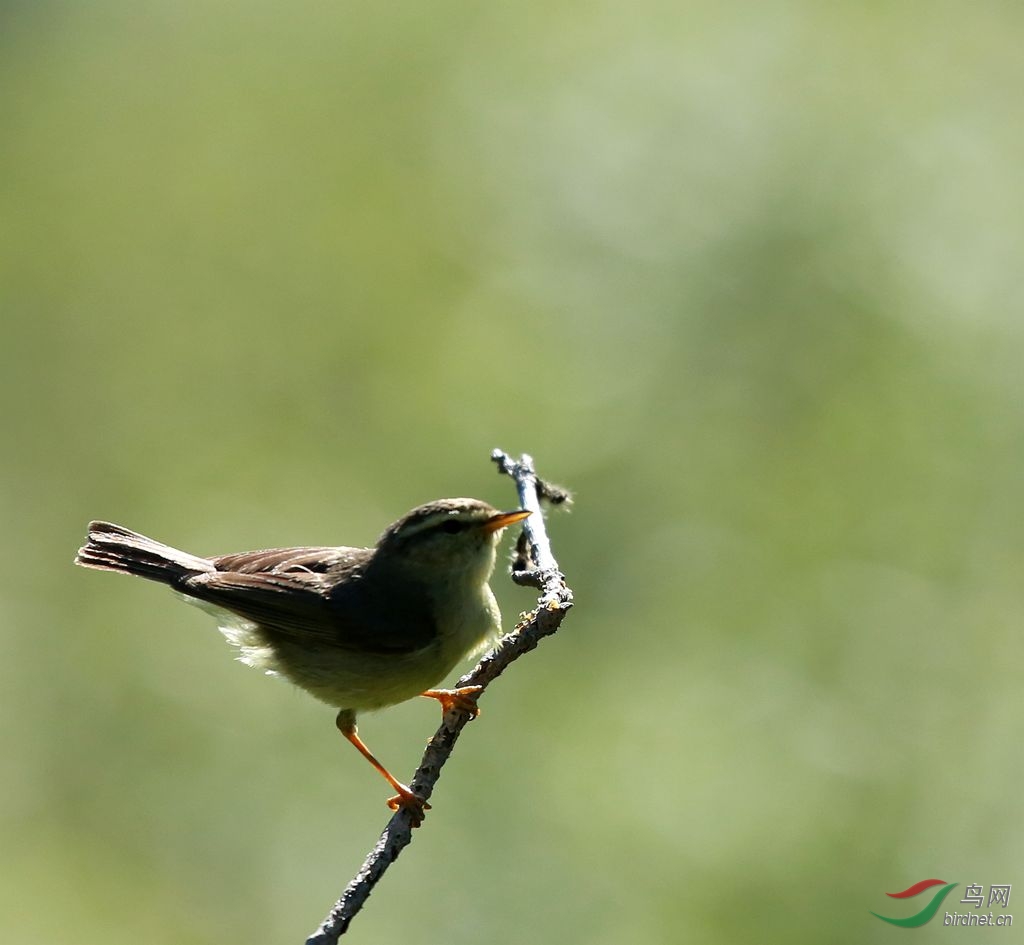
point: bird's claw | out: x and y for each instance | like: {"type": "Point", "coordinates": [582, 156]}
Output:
{"type": "Point", "coordinates": [411, 802]}
{"type": "Point", "coordinates": [463, 699]}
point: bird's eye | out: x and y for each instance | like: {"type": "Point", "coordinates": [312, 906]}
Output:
{"type": "Point", "coordinates": [452, 526]}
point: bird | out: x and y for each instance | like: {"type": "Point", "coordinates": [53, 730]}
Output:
{"type": "Point", "coordinates": [358, 628]}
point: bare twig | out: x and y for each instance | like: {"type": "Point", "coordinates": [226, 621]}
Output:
{"type": "Point", "coordinates": [536, 566]}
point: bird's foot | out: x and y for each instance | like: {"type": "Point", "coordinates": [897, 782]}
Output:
{"type": "Point", "coordinates": [463, 699]}
{"type": "Point", "coordinates": [413, 803]}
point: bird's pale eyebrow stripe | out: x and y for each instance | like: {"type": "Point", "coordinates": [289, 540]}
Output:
{"type": "Point", "coordinates": [427, 518]}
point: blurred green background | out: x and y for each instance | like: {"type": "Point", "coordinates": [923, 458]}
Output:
{"type": "Point", "coordinates": [746, 277]}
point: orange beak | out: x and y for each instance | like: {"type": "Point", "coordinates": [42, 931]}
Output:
{"type": "Point", "coordinates": [504, 519]}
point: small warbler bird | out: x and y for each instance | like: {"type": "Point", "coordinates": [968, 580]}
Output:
{"type": "Point", "coordinates": [359, 628]}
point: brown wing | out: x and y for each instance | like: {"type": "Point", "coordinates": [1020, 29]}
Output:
{"type": "Point", "coordinates": [285, 560]}
{"type": "Point", "coordinates": [290, 604]}
{"type": "Point", "coordinates": [315, 594]}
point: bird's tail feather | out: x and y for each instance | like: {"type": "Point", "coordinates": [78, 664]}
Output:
{"type": "Point", "coordinates": [113, 548]}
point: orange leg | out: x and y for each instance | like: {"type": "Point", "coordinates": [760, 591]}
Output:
{"type": "Point", "coordinates": [405, 797]}
{"type": "Point", "coordinates": [463, 699]}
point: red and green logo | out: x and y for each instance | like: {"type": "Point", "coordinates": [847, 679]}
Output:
{"type": "Point", "coordinates": [928, 912]}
